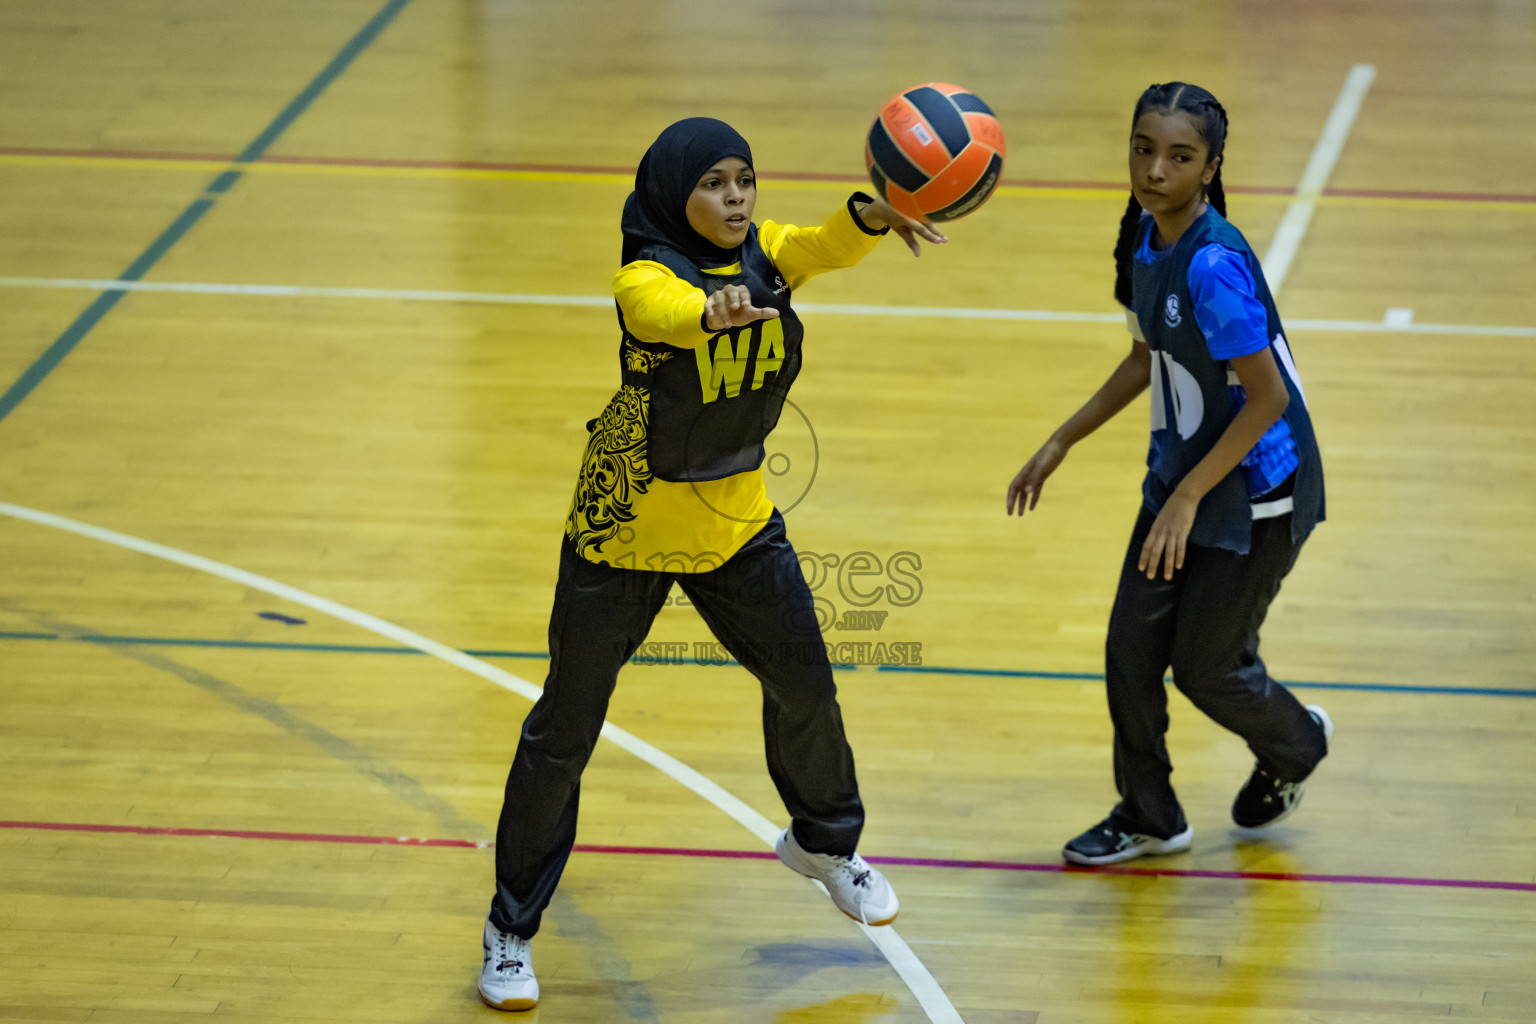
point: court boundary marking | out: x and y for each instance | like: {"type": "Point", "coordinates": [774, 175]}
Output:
{"type": "Point", "coordinates": [1384, 326]}
{"type": "Point", "coordinates": [710, 854]}
{"type": "Point", "coordinates": [21, 156]}
{"type": "Point", "coordinates": [302, 647]}
{"type": "Point", "coordinates": [924, 987]}
{"type": "Point", "coordinates": [1293, 226]}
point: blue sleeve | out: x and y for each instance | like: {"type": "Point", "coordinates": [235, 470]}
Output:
{"type": "Point", "coordinates": [1226, 307]}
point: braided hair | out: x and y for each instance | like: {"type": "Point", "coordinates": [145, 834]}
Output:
{"type": "Point", "coordinates": [1210, 119]}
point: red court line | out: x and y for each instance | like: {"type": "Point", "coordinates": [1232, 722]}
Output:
{"type": "Point", "coordinates": [678, 851]}
{"type": "Point", "coordinates": [478, 165]}
{"type": "Point", "coordinates": [446, 165]}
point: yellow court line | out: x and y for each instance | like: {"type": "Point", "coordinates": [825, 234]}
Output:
{"type": "Point", "coordinates": [602, 178]}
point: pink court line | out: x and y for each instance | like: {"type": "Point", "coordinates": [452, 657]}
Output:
{"type": "Point", "coordinates": [477, 165]}
{"type": "Point", "coordinates": [670, 851]}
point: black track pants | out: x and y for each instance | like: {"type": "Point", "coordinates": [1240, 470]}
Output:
{"type": "Point", "coordinates": [1204, 623]}
{"type": "Point", "coordinates": [759, 607]}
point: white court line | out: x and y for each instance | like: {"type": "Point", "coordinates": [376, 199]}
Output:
{"type": "Point", "coordinates": [911, 970]}
{"type": "Point", "coordinates": [1293, 226]}
{"type": "Point", "coordinates": [301, 291]}
{"type": "Point", "coordinates": [602, 301]}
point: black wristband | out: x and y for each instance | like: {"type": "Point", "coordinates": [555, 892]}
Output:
{"type": "Point", "coordinates": [860, 197]}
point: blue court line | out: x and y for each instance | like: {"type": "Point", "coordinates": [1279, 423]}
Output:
{"type": "Point", "coordinates": [1477, 691]}
{"type": "Point", "coordinates": [277, 645]}
{"type": "Point", "coordinates": [103, 304]}
{"type": "Point", "coordinates": [1005, 672]}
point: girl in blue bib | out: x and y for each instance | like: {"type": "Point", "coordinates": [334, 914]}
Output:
{"type": "Point", "coordinates": [1234, 486]}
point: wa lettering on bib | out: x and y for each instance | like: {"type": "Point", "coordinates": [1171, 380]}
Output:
{"type": "Point", "coordinates": [710, 415]}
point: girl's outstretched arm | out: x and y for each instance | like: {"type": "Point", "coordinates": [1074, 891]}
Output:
{"type": "Point", "coordinates": [1129, 379]}
{"type": "Point", "coordinates": [846, 238]}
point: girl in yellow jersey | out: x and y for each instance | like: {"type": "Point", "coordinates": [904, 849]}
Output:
{"type": "Point", "coordinates": [671, 491]}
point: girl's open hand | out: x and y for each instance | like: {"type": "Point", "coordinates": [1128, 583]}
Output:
{"type": "Point", "coordinates": [880, 214]}
{"type": "Point", "coordinates": [1029, 480]}
{"type": "Point", "coordinates": [731, 306]}
{"type": "Point", "coordinates": [1170, 533]}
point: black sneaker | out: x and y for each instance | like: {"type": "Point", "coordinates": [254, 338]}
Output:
{"type": "Point", "coordinates": [1266, 798]}
{"type": "Point", "coordinates": [1107, 843]}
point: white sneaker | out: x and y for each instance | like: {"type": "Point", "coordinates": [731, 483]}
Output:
{"type": "Point", "coordinates": [506, 979]}
{"type": "Point", "coordinates": [857, 889]}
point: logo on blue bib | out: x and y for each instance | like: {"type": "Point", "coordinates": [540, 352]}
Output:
{"type": "Point", "coordinates": [1171, 312]}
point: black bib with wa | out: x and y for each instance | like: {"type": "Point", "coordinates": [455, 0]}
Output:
{"type": "Point", "coordinates": [711, 407]}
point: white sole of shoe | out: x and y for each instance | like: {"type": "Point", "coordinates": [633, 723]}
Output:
{"type": "Point", "coordinates": [509, 1004]}
{"type": "Point", "coordinates": [1152, 848]}
{"type": "Point", "coordinates": [873, 924]}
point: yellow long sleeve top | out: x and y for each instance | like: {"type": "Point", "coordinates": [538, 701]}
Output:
{"type": "Point", "coordinates": [620, 513]}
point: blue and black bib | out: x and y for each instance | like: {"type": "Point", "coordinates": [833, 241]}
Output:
{"type": "Point", "coordinates": [1191, 404]}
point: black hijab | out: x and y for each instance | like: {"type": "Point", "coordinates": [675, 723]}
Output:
{"type": "Point", "coordinates": [656, 212]}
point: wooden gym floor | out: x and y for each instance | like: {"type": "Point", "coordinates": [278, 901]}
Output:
{"type": "Point", "coordinates": [317, 292]}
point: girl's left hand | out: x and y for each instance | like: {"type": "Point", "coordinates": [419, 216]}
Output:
{"type": "Point", "coordinates": [880, 214]}
{"type": "Point", "coordinates": [1170, 531]}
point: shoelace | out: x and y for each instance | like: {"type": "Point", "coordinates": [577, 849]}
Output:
{"type": "Point", "coordinates": [856, 867]}
{"type": "Point", "coordinates": [504, 956]}
{"type": "Point", "coordinates": [852, 868]}
{"type": "Point", "coordinates": [858, 874]}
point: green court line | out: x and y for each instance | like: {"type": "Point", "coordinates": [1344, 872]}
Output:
{"type": "Point", "coordinates": [279, 645]}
